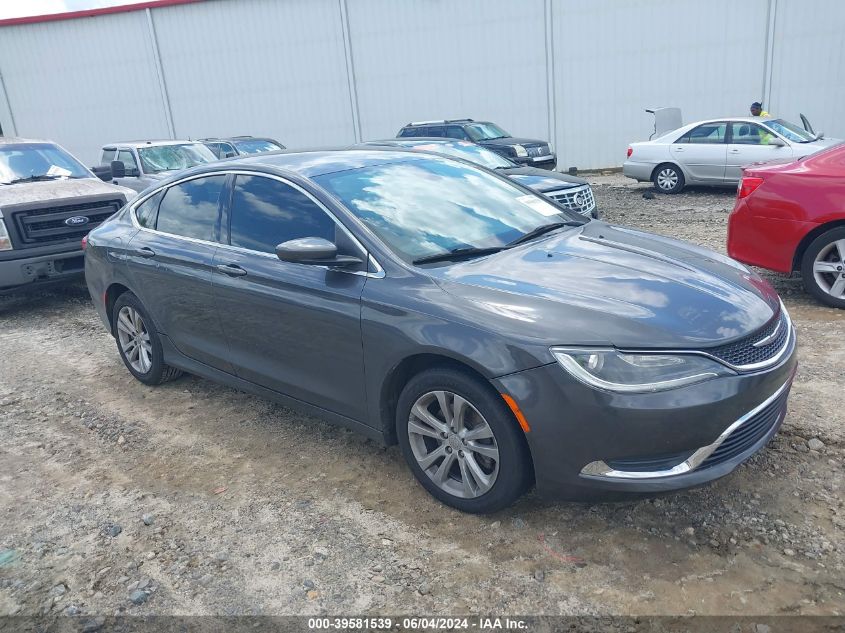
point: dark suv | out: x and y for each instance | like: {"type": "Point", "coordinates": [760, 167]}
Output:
{"type": "Point", "coordinates": [524, 151]}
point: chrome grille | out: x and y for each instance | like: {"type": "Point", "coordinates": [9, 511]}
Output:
{"type": "Point", "coordinates": [763, 345]}
{"type": "Point", "coordinates": [578, 199]}
{"type": "Point", "coordinates": [540, 150]}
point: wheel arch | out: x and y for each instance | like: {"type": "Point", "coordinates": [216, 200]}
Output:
{"type": "Point", "coordinates": [810, 237]}
{"type": "Point", "coordinates": [403, 372]}
{"type": "Point", "coordinates": [112, 293]}
{"type": "Point", "coordinates": [672, 163]}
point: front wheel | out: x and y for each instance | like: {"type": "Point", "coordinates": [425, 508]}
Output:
{"type": "Point", "coordinates": [823, 268]}
{"type": "Point", "coordinates": [462, 442]}
{"type": "Point", "coordinates": [668, 178]}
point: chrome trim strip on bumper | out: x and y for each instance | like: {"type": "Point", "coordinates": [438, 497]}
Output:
{"type": "Point", "coordinates": [601, 469]}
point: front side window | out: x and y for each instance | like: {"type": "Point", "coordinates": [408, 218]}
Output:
{"type": "Point", "coordinates": [484, 131]}
{"type": "Point", "coordinates": [266, 212]}
{"type": "Point", "coordinates": [129, 164]}
{"type": "Point", "coordinates": [255, 146]}
{"type": "Point", "coordinates": [159, 158]}
{"type": "Point", "coordinates": [108, 156]}
{"type": "Point", "coordinates": [25, 162]}
{"type": "Point", "coordinates": [426, 205]}
{"type": "Point", "coordinates": [190, 209]}
{"type": "Point", "coordinates": [789, 130]}
{"type": "Point", "coordinates": [454, 131]}
{"type": "Point", "coordinates": [708, 133]}
{"type": "Point", "coordinates": [748, 134]}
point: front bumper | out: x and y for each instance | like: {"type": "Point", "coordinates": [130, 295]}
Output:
{"type": "Point", "coordinates": [640, 172]}
{"type": "Point", "coordinates": [29, 269]}
{"type": "Point", "coordinates": [549, 161]}
{"type": "Point", "coordinates": [575, 427]}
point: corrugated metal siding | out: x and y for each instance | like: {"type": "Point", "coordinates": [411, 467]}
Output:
{"type": "Point", "coordinates": [808, 70]}
{"type": "Point", "coordinates": [83, 82]}
{"type": "Point", "coordinates": [614, 58]}
{"type": "Point", "coordinates": [280, 68]}
{"type": "Point", "coordinates": [436, 59]}
{"type": "Point", "coordinates": [256, 67]}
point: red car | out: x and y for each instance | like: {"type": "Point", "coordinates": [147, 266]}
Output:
{"type": "Point", "coordinates": [791, 216]}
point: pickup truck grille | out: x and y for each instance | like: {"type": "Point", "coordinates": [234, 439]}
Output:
{"type": "Point", "coordinates": [36, 227]}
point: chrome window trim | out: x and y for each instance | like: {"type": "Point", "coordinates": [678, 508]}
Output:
{"type": "Point", "coordinates": [377, 274]}
{"type": "Point", "coordinates": [600, 469]}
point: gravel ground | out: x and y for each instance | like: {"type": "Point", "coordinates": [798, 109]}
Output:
{"type": "Point", "coordinates": [192, 498]}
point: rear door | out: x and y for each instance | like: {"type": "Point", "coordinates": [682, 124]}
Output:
{"type": "Point", "coordinates": [703, 151]}
{"type": "Point", "coordinates": [171, 260]}
{"type": "Point", "coordinates": [751, 143]}
{"type": "Point", "coordinates": [294, 328]}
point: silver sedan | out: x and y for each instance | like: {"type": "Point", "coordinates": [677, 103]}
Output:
{"type": "Point", "coordinates": [714, 152]}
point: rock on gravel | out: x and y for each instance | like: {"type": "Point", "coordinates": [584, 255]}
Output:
{"type": "Point", "coordinates": [815, 444]}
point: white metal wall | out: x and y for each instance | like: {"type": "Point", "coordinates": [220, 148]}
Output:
{"type": "Point", "coordinates": [330, 72]}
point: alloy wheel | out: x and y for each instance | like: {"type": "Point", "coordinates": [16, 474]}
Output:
{"type": "Point", "coordinates": [453, 444]}
{"type": "Point", "coordinates": [134, 339]}
{"type": "Point", "coordinates": [829, 269]}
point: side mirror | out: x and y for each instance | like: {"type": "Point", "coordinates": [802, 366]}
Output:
{"type": "Point", "coordinates": [229, 155]}
{"type": "Point", "coordinates": [103, 172]}
{"type": "Point", "coordinates": [777, 142]}
{"type": "Point", "coordinates": [314, 250]}
{"type": "Point", "coordinates": [118, 170]}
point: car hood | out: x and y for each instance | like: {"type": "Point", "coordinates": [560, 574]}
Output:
{"type": "Point", "coordinates": [512, 140]}
{"type": "Point", "coordinates": [57, 190]}
{"type": "Point", "coordinates": [542, 179]}
{"type": "Point", "coordinates": [599, 284]}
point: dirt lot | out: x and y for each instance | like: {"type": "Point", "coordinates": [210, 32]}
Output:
{"type": "Point", "coordinates": [192, 498]}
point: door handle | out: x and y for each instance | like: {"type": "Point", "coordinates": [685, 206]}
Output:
{"type": "Point", "coordinates": [144, 252]}
{"type": "Point", "coordinates": [233, 270]}
{"type": "Point", "coordinates": [679, 149]}
{"type": "Point", "coordinates": [734, 151]}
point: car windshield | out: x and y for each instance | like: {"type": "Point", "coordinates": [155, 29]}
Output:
{"type": "Point", "coordinates": [22, 162]}
{"type": "Point", "coordinates": [789, 130]}
{"type": "Point", "coordinates": [158, 158]}
{"type": "Point", "coordinates": [256, 146]}
{"type": "Point", "coordinates": [468, 151]}
{"type": "Point", "coordinates": [426, 206]}
{"type": "Point", "coordinates": [484, 131]}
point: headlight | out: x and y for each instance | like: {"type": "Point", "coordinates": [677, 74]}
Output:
{"type": "Point", "coordinates": [5, 242]}
{"type": "Point", "coordinates": [551, 148]}
{"type": "Point", "coordinates": [520, 151]}
{"type": "Point", "coordinates": [612, 370]}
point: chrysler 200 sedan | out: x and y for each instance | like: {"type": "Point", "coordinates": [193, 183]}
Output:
{"type": "Point", "coordinates": [498, 338]}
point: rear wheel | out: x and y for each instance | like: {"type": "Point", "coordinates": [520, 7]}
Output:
{"type": "Point", "coordinates": [668, 178]}
{"type": "Point", "coordinates": [138, 342]}
{"type": "Point", "coordinates": [461, 441]}
{"type": "Point", "coordinates": [823, 268]}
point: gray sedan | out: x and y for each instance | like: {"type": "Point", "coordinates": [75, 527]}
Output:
{"type": "Point", "coordinates": [714, 152]}
{"type": "Point", "coordinates": [498, 338]}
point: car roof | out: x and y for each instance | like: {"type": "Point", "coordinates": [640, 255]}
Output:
{"type": "Point", "coordinates": [317, 162]}
{"type": "Point", "coordinates": [148, 143]}
{"type": "Point", "coordinates": [441, 122]}
{"type": "Point", "coordinates": [237, 138]}
{"type": "Point", "coordinates": [414, 140]}
{"type": "Point", "coordinates": [15, 140]}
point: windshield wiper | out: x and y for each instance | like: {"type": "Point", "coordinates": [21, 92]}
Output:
{"type": "Point", "coordinates": [35, 178]}
{"type": "Point", "coordinates": [542, 230]}
{"type": "Point", "coordinates": [459, 253]}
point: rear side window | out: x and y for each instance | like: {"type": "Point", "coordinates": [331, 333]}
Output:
{"type": "Point", "coordinates": [410, 131]}
{"type": "Point", "coordinates": [707, 133]}
{"type": "Point", "coordinates": [266, 212]}
{"type": "Point", "coordinates": [454, 131]}
{"type": "Point", "coordinates": [147, 211]}
{"type": "Point", "coordinates": [190, 209]}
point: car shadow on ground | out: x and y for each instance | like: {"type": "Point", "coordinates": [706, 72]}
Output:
{"type": "Point", "coordinates": [19, 301]}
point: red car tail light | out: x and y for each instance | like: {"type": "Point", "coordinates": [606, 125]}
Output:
{"type": "Point", "coordinates": [84, 242]}
{"type": "Point", "coordinates": [747, 186]}
{"type": "Point", "coordinates": [630, 151]}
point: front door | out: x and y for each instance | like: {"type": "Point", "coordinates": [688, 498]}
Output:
{"type": "Point", "coordinates": [751, 143]}
{"type": "Point", "coordinates": [294, 328]}
{"type": "Point", "coordinates": [702, 152]}
{"type": "Point", "coordinates": [170, 262]}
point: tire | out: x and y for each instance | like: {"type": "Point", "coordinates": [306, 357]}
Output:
{"type": "Point", "coordinates": [823, 268]}
{"type": "Point", "coordinates": [144, 359]}
{"type": "Point", "coordinates": [668, 178]}
{"type": "Point", "coordinates": [476, 481]}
